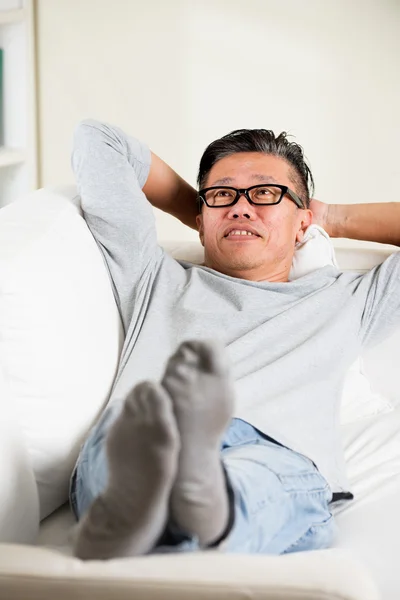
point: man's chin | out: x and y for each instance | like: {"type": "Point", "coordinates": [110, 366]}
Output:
{"type": "Point", "coordinates": [243, 265]}
{"type": "Point", "coordinates": [228, 259]}
{"type": "Point", "coordinates": [229, 264]}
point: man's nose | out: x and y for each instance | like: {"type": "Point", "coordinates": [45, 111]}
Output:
{"type": "Point", "coordinates": [242, 208]}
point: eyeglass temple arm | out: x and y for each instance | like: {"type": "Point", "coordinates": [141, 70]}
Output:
{"type": "Point", "coordinates": [296, 199]}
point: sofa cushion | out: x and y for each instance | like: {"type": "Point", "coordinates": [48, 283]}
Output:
{"type": "Point", "coordinates": [60, 333]}
{"type": "Point", "coordinates": [19, 503]}
{"type": "Point", "coordinates": [369, 524]}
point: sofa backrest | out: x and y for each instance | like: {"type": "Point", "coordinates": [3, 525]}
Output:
{"type": "Point", "coordinates": [60, 333]}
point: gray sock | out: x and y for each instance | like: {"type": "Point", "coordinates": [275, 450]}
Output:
{"type": "Point", "coordinates": [202, 394]}
{"type": "Point", "coordinates": [142, 450]}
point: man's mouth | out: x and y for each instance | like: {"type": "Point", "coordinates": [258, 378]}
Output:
{"type": "Point", "coordinates": [241, 234]}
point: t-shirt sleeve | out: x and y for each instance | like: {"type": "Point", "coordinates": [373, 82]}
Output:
{"type": "Point", "coordinates": [111, 169]}
{"type": "Point", "coordinates": [381, 315]}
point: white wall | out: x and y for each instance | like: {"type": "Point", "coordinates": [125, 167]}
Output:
{"type": "Point", "coordinates": [180, 73]}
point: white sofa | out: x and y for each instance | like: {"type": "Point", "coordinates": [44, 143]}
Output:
{"type": "Point", "coordinates": [60, 339]}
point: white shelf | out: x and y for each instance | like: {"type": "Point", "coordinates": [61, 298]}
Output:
{"type": "Point", "coordinates": [11, 156]}
{"type": "Point", "coordinates": [11, 16]}
{"type": "Point", "coordinates": [18, 149]}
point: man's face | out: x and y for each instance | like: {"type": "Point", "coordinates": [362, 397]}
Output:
{"type": "Point", "coordinates": [267, 255]}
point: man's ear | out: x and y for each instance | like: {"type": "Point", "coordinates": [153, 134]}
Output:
{"type": "Point", "coordinates": [200, 227]}
{"type": "Point", "coordinates": [305, 222]}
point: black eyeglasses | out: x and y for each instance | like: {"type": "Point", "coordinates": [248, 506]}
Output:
{"type": "Point", "coordinates": [259, 195]}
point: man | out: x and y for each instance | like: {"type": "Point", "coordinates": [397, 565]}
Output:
{"type": "Point", "coordinates": [231, 443]}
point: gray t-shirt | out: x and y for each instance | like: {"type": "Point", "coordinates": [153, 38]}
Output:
{"type": "Point", "coordinates": [290, 344]}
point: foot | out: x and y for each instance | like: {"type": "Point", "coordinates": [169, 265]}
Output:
{"type": "Point", "coordinates": [142, 452]}
{"type": "Point", "coordinates": [197, 380]}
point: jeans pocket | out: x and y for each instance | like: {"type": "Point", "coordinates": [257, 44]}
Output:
{"type": "Point", "coordinates": [318, 537]}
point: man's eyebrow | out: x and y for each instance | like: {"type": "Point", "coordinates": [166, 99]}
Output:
{"type": "Point", "coordinates": [255, 177]}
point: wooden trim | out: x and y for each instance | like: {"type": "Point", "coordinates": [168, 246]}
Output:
{"type": "Point", "coordinates": [32, 43]}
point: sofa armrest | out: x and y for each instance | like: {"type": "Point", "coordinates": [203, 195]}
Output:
{"type": "Point", "coordinates": [320, 575]}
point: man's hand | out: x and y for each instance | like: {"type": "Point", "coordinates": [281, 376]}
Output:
{"type": "Point", "coordinates": [320, 211]}
{"type": "Point", "coordinates": [378, 222]}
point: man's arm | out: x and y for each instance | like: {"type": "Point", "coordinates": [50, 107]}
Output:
{"type": "Point", "coordinates": [377, 222]}
{"type": "Point", "coordinates": [110, 170]}
{"type": "Point", "coordinates": [117, 178]}
{"type": "Point", "coordinates": [167, 191]}
{"type": "Point", "coordinates": [378, 288]}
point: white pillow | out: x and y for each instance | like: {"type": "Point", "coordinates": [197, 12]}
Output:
{"type": "Point", "coordinates": [313, 252]}
{"type": "Point", "coordinates": [19, 502]}
{"type": "Point", "coordinates": [60, 333]}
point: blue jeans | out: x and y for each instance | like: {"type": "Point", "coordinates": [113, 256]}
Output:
{"type": "Point", "coordinates": [279, 500]}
